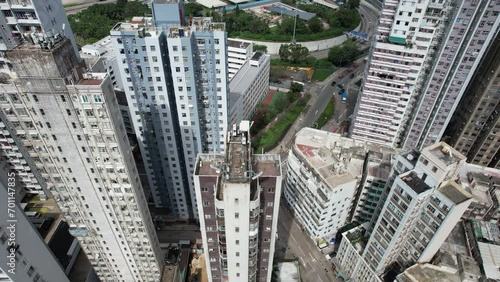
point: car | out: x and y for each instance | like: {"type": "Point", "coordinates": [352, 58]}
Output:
{"type": "Point", "coordinates": [276, 81]}
{"type": "Point", "coordinates": [349, 70]}
{"type": "Point", "coordinates": [341, 76]}
{"type": "Point", "coordinates": [355, 65]}
{"type": "Point", "coordinates": [351, 76]}
{"type": "Point", "coordinates": [340, 86]}
{"type": "Point", "coordinates": [342, 91]}
{"type": "Point", "coordinates": [333, 83]}
{"type": "Point", "coordinates": [362, 15]}
{"type": "Point", "coordinates": [344, 97]}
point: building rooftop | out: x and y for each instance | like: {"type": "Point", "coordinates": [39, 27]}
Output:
{"type": "Point", "coordinates": [256, 56]}
{"type": "Point", "coordinates": [245, 76]}
{"type": "Point", "coordinates": [283, 9]}
{"type": "Point", "coordinates": [490, 255]}
{"type": "Point", "coordinates": [238, 44]}
{"type": "Point", "coordinates": [336, 159]}
{"type": "Point", "coordinates": [414, 182]}
{"type": "Point", "coordinates": [444, 153]}
{"type": "Point", "coordinates": [486, 231]}
{"type": "Point", "coordinates": [238, 165]}
{"type": "Point", "coordinates": [166, 1]}
{"type": "Point", "coordinates": [198, 24]}
{"type": "Point", "coordinates": [211, 3]}
{"type": "Point", "coordinates": [427, 272]}
{"type": "Point", "coordinates": [136, 24]}
{"type": "Point", "coordinates": [103, 48]}
{"type": "Point", "coordinates": [453, 191]}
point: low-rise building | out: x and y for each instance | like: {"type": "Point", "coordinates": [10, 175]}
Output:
{"type": "Point", "coordinates": [249, 87]}
{"type": "Point", "coordinates": [324, 176]}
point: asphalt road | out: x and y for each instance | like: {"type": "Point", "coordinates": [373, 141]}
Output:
{"type": "Point", "coordinates": [293, 243]}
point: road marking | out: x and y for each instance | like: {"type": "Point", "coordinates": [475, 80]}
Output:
{"type": "Point", "coordinates": [284, 225]}
{"type": "Point", "coordinates": [316, 112]}
{"type": "Point", "coordinates": [312, 257]}
{"type": "Point", "coordinates": [319, 277]}
{"type": "Point", "coordinates": [291, 236]}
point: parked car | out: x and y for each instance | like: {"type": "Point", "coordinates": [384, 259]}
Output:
{"type": "Point", "coordinates": [344, 97]}
{"type": "Point", "coordinates": [342, 91]}
{"type": "Point", "coordinates": [341, 76]}
{"type": "Point", "coordinates": [340, 86]}
{"type": "Point", "coordinates": [276, 81]}
{"type": "Point", "coordinates": [355, 65]}
{"type": "Point", "coordinates": [351, 76]}
{"type": "Point", "coordinates": [333, 83]}
{"type": "Point", "coordinates": [349, 70]}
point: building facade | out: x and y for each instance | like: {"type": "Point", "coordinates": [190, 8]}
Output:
{"type": "Point", "coordinates": [474, 129]}
{"type": "Point", "coordinates": [67, 126]}
{"type": "Point", "coordinates": [463, 43]}
{"type": "Point", "coordinates": [408, 96]}
{"type": "Point", "coordinates": [24, 254]}
{"type": "Point", "coordinates": [423, 206]}
{"type": "Point", "coordinates": [22, 19]}
{"type": "Point", "coordinates": [175, 82]}
{"type": "Point", "coordinates": [328, 180]}
{"type": "Point", "coordinates": [239, 196]}
{"type": "Point", "coordinates": [249, 87]}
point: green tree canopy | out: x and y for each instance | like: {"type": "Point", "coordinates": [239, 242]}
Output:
{"type": "Point", "coordinates": [344, 54]}
{"type": "Point", "coordinates": [315, 25]}
{"type": "Point", "coordinates": [193, 10]}
{"type": "Point", "coordinates": [293, 53]}
{"type": "Point", "coordinates": [96, 21]}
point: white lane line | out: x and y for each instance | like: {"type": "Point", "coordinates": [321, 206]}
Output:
{"type": "Point", "coordinates": [284, 225]}
{"type": "Point", "coordinates": [312, 257]}
{"type": "Point", "coordinates": [319, 278]}
{"type": "Point", "coordinates": [291, 236]}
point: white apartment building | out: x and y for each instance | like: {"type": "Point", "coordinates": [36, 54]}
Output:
{"type": "Point", "coordinates": [176, 85]}
{"type": "Point", "coordinates": [401, 46]}
{"type": "Point", "coordinates": [323, 179]}
{"type": "Point", "coordinates": [238, 53]}
{"type": "Point", "coordinates": [21, 19]}
{"type": "Point", "coordinates": [422, 207]}
{"type": "Point", "coordinates": [67, 124]}
{"type": "Point", "coordinates": [464, 41]}
{"type": "Point", "coordinates": [349, 260]}
{"type": "Point", "coordinates": [249, 87]}
{"type": "Point", "coordinates": [24, 256]}
{"type": "Point", "coordinates": [239, 196]}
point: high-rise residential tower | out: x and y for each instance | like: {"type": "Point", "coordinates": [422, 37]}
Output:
{"type": "Point", "coordinates": [424, 56]}
{"type": "Point", "coordinates": [239, 194]}
{"type": "Point", "coordinates": [175, 81]}
{"type": "Point", "coordinates": [464, 41]}
{"type": "Point", "coordinates": [421, 209]}
{"type": "Point", "coordinates": [474, 129]}
{"type": "Point", "coordinates": [25, 19]}
{"type": "Point", "coordinates": [67, 127]}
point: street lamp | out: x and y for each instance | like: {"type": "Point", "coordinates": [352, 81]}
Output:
{"type": "Point", "coordinates": [294, 24]}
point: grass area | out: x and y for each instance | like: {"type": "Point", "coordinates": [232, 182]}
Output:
{"type": "Point", "coordinates": [274, 134]}
{"type": "Point", "coordinates": [326, 115]}
{"type": "Point", "coordinates": [277, 98]}
{"type": "Point", "coordinates": [321, 74]}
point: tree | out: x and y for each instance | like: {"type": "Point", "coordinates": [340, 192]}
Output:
{"type": "Point", "coordinates": [260, 48]}
{"type": "Point", "coordinates": [352, 4]}
{"type": "Point", "coordinates": [315, 25]}
{"type": "Point", "coordinates": [344, 54]}
{"type": "Point", "coordinates": [193, 10]}
{"type": "Point", "coordinates": [293, 53]}
{"type": "Point", "coordinates": [296, 87]}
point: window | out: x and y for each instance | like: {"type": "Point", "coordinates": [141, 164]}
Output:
{"type": "Point", "coordinates": [152, 47]}
{"type": "Point", "coordinates": [98, 98]}
{"type": "Point", "coordinates": [155, 59]}
{"type": "Point", "coordinates": [236, 229]}
{"type": "Point", "coordinates": [237, 215]}
{"type": "Point", "coordinates": [206, 204]}
{"type": "Point", "coordinates": [434, 169]}
{"type": "Point", "coordinates": [237, 242]}
{"type": "Point", "coordinates": [238, 254]}
{"type": "Point", "coordinates": [85, 98]}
